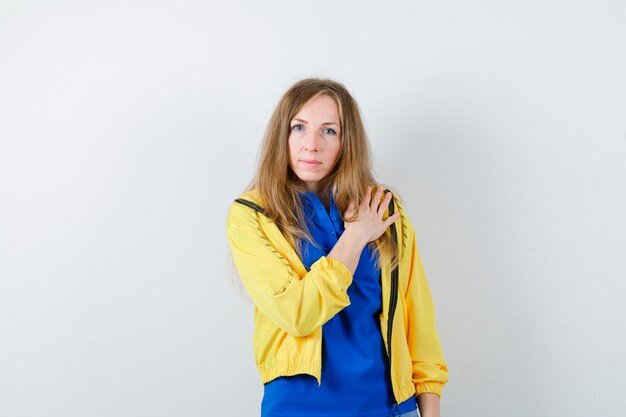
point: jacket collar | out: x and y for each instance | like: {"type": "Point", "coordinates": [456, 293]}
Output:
{"type": "Point", "coordinates": [252, 199]}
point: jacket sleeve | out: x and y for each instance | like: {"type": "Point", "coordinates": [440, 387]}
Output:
{"type": "Point", "coordinates": [298, 305]}
{"type": "Point", "coordinates": [430, 372]}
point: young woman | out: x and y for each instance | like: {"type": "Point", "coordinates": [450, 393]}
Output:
{"type": "Point", "coordinates": [344, 320]}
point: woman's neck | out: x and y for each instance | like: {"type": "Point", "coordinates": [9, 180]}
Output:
{"type": "Point", "coordinates": [324, 197]}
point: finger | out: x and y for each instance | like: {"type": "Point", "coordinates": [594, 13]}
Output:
{"type": "Point", "coordinates": [376, 201]}
{"type": "Point", "coordinates": [384, 205]}
{"type": "Point", "coordinates": [391, 219]}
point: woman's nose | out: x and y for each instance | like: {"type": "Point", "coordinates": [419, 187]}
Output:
{"type": "Point", "coordinates": [311, 141]}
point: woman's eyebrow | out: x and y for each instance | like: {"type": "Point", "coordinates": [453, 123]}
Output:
{"type": "Point", "coordinates": [325, 123]}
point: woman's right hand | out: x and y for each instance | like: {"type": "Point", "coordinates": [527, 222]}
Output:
{"type": "Point", "coordinates": [369, 224]}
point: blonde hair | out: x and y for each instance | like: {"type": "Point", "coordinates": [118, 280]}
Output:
{"type": "Point", "coordinates": [279, 186]}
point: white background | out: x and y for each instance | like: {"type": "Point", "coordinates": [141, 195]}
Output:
{"type": "Point", "coordinates": [128, 127]}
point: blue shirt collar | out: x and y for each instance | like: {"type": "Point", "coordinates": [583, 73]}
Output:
{"type": "Point", "coordinates": [311, 201]}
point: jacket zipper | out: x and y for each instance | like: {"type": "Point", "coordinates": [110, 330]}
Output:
{"type": "Point", "coordinates": [393, 297]}
{"type": "Point", "coordinates": [251, 205]}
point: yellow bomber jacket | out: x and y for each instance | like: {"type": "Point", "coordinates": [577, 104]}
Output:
{"type": "Point", "coordinates": [291, 304]}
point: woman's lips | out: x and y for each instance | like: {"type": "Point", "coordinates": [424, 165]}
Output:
{"type": "Point", "coordinates": [309, 163]}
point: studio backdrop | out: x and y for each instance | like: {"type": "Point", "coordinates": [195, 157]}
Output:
{"type": "Point", "coordinates": [128, 127]}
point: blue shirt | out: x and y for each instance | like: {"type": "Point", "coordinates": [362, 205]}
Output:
{"type": "Point", "coordinates": [355, 372]}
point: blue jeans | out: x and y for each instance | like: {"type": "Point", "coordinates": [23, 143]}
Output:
{"type": "Point", "coordinates": [413, 413]}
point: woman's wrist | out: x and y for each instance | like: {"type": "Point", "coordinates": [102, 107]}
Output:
{"type": "Point", "coordinates": [352, 236]}
{"type": "Point", "coordinates": [348, 250]}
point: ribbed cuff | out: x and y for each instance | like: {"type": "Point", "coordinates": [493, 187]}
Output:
{"type": "Point", "coordinates": [344, 273]}
{"type": "Point", "coordinates": [434, 387]}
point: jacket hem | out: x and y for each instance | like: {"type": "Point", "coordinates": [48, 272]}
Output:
{"type": "Point", "coordinates": [405, 393]}
{"type": "Point", "coordinates": [314, 369]}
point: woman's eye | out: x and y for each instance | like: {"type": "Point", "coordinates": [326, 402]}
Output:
{"type": "Point", "coordinates": [296, 128]}
{"type": "Point", "coordinates": [332, 131]}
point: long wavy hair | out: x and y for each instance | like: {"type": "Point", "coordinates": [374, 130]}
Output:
{"type": "Point", "coordinates": [279, 186]}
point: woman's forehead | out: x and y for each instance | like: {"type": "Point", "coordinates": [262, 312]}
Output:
{"type": "Point", "coordinates": [320, 108]}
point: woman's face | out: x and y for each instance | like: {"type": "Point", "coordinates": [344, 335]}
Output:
{"type": "Point", "coordinates": [314, 140]}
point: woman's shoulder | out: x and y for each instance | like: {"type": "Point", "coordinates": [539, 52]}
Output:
{"type": "Point", "coordinates": [397, 199]}
{"type": "Point", "coordinates": [244, 206]}
{"type": "Point", "coordinates": [398, 205]}
{"type": "Point", "coordinates": [252, 195]}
